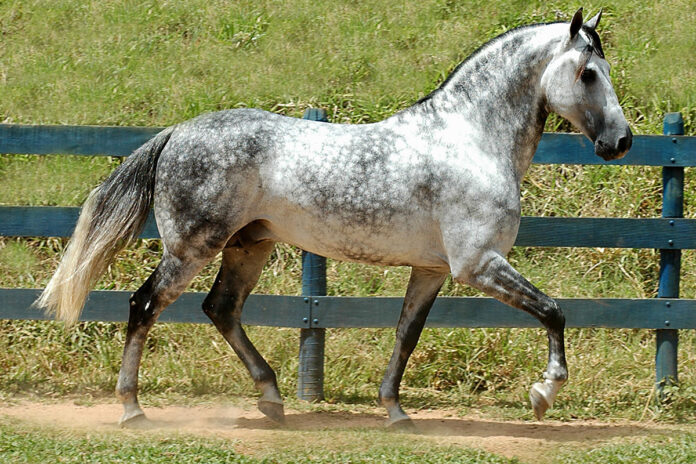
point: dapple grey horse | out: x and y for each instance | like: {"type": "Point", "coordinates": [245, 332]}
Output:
{"type": "Point", "coordinates": [435, 187]}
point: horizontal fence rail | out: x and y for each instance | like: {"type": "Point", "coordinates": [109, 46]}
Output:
{"type": "Point", "coordinates": [647, 150]}
{"type": "Point", "coordinates": [51, 221]}
{"type": "Point", "coordinates": [313, 312]}
{"type": "Point", "coordinates": [354, 312]}
{"type": "Point", "coordinates": [73, 140]}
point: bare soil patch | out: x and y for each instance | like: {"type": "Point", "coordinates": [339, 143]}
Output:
{"type": "Point", "coordinates": [254, 434]}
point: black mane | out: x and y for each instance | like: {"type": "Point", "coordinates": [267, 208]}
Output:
{"type": "Point", "coordinates": [477, 52]}
{"type": "Point", "coordinates": [595, 45]}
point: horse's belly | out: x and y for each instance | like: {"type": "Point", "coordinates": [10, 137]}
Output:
{"type": "Point", "coordinates": [388, 245]}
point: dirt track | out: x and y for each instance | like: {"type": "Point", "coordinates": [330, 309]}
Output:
{"type": "Point", "coordinates": [530, 442]}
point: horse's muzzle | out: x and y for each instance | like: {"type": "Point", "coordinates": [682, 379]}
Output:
{"type": "Point", "coordinates": [614, 150]}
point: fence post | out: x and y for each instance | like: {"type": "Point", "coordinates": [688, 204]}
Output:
{"type": "Point", "coordinates": [310, 375]}
{"type": "Point", "coordinates": [667, 340]}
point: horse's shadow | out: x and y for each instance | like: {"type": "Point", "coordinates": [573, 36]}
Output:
{"type": "Point", "coordinates": [450, 427]}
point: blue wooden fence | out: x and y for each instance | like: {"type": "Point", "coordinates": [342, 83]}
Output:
{"type": "Point", "coordinates": [313, 312]}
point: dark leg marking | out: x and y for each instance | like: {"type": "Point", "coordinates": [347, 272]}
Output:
{"type": "Point", "coordinates": [163, 286]}
{"type": "Point", "coordinates": [500, 280]}
{"type": "Point", "coordinates": [420, 295]}
{"type": "Point", "coordinates": [239, 273]}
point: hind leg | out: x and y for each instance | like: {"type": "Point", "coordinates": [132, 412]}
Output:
{"type": "Point", "coordinates": [239, 273]}
{"type": "Point", "coordinates": [163, 286]}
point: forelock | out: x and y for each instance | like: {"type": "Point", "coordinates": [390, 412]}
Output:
{"type": "Point", "coordinates": [594, 41]}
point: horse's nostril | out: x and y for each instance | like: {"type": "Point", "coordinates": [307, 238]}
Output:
{"type": "Point", "coordinates": [624, 144]}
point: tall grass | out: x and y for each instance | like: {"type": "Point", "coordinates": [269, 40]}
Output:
{"type": "Point", "coordinates": [161, 62]}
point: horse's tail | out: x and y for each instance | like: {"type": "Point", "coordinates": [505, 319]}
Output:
{"type": "Point", "coordinates": [113, 215]}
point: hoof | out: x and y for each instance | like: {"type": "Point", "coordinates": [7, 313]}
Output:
{"type": "Point", "coordinates": [542, 396]}
{"type": "Point", "coordinates": [272, 410]}
{"type": "Point", "coordinates": [539, 403]}
{"type": "Point", "coordinates": [404, 424]}
{"type": "Point", "coordinates": [134, 420]}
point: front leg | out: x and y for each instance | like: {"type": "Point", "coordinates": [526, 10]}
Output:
{"type": "Point", "coordinates": [496, 277]}
{"type": "Point", "coordinates": [420, 295]}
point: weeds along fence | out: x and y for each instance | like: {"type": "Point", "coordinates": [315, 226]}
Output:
{"type": "Point", "coordinates": [313, 312]}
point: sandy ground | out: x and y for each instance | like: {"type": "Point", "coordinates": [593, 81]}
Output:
{"type": "Point", "coordinates": [254, 434]}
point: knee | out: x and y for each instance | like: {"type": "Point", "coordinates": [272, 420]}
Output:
{"type": "Point", "coordinates": [553, 316]}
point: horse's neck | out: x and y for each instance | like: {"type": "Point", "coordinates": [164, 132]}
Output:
{"type": "Point", "coordinates": [498, 91]}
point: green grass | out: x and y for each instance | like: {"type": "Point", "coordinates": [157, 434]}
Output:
{"type": "Point", "coordinates": [23, 448]}
{"type": "Point", "coordinates": [678, 449]}
{"type": "Point", "coordinates": [158, 63]}
{"type": "Point", "coordinates": [20, 443]}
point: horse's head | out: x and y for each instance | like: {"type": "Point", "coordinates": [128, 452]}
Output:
{"type": "Point", "coordinates": [577, 86]}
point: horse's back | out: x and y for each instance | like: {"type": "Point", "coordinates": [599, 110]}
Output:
{"type": "Point", "coordinates": [370, 193]}
{"type": "Point", "coordinates": [342, 190]}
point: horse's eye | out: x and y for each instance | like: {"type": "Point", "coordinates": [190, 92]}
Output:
{"type": "Point", "coordinates": [588, 76]}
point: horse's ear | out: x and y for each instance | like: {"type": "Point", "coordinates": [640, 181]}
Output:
{"type": "Point", "coordinates": [576, 23]}
{"type": "Point", "coordinates": [592, 23]}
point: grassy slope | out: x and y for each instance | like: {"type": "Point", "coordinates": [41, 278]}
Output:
{"type": "Point", "coordinates": [157, 63]}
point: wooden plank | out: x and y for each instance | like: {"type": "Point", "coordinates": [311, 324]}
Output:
{"type": "Point", "coordinates": [112, 306]}
{"type": "Point", "coordinates": [647, 150]}
{"type": "Point", "coordinates": [667, 339]}
{"type": "Point", "coordinates": [73, 140]}
{"type": "Point", "coordinates": [27, 221]}
{"type": "Point", "coordinates": [487, 312]}
{"type": "Point", "coordinates": [336, 312]}
{"type": "Point", "coordinates": [50, 221]}
{"type": "Point", "coordinates": [658, 233]}
{"type": "Point", "coordinates": [555, 148]}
